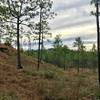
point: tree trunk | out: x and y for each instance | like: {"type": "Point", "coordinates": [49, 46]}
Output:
{"type": "Point", "coordinates": [78, 69]}
{"type": "Point", "coordinates": [18, 47]}
{"type": "Point", "coordinates": [64, 62]}
{"type": "Point", "coordinates": [29, 45]}
{"type": "Point", "coordinates": [98, 39]}
{"type": "Point", "coordinates": [42, 46]}
{"type": "Point", "coordinates": [39, 44]}
{"type": "Point", "coordinates": [0, 37]}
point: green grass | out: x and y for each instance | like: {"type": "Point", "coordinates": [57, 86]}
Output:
{"type": "Point", "coordinates": [87, 74]}
{"type": "Point", "coordinates": [48, 73]}
{"type": "Point", "coordinates": [8, 96]}
{"type": "Point", "coordinates": [56, 84]}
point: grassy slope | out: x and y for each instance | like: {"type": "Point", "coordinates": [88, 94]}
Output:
{"type": "Point", "coordinates": [50, 83]}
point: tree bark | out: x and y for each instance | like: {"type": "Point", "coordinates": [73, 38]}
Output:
{"type": "Point", "coordinates": [98, 39]}
{"type": "Point", "coordinates": [39, 44]}
{"type": "Point", "coordinates": [18, 47]}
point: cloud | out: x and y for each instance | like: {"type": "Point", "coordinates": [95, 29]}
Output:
{"type": "Point", "coordinates": [64, 5]}
{"type": "Point", "coordinates": [72, 17]}
{"type": "Point", "coordinates": [74, 22]}
{"type": "Point", "coordinates": [89, 38]}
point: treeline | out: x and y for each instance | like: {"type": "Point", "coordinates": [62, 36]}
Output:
{"type": "Point", "coordinates": [64, 57]}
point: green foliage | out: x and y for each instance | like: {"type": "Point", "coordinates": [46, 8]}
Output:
{"type": "Point", "coordinates": [79, 44]}
{"type": "Point", "coordinates": [8, 96]}
{"type": "Point", "coordinates": [54, 73]}
{"type": "Point", "coordinates": [49, 74]}
{"type": "Point", "coordinates": [28, 71]}
{"type": "Point", "coordinates": [65, 58]}
{"type": "Point", "coordinates": [97, 94]}
{"type": "Point", "coordinates": [87, 74]}
{"type": "Point", "coordinates": [58, 42]}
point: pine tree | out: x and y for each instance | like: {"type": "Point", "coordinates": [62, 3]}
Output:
{"type": "Point", "coordinates": [20, 12]}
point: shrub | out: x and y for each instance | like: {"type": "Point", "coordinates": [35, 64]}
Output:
{"type": "Point", "coordinates": [50, 74]}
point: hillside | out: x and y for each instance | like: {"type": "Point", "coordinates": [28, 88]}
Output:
{"type": "Point", "coordinates": [49, 83]}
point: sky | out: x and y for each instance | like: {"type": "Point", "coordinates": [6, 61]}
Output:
{"type": "Point", "coordinates": [74, 19]}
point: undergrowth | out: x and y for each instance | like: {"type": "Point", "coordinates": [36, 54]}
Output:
{"type": "Point", "coordinates": [8, 96]}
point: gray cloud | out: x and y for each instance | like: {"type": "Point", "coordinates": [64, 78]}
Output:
{"type": "Point", "coordinates": [61, 24]}
{"type": "Point", "coordinates": [74, 14]}
{"type": "Point", "coordinates": [63, 5]}
{"type": "Point", "coordinates": [71, 14]}
{"type": "Point", "coordinates": [87, 39]}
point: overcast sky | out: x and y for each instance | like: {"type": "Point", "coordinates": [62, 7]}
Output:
{"type": "Point", "coordinates": [73, 19]}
